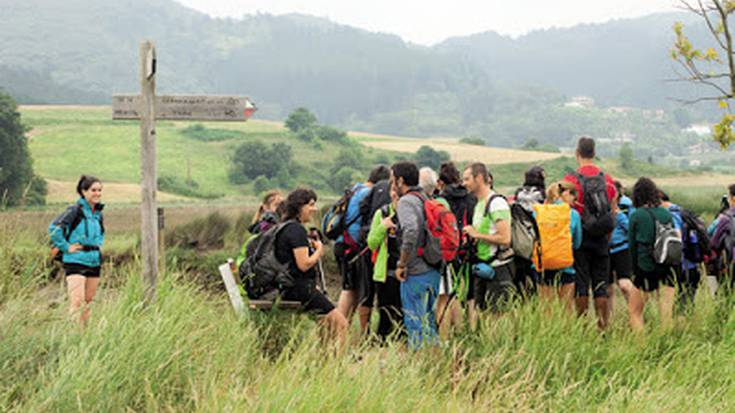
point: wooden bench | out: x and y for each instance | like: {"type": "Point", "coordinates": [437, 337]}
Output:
{"type": "Point", "coordinates": [232, 284]}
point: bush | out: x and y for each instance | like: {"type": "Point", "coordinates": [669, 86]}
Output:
{"type": "Point", "coordinates": [262, 184]}
{"type": "Point", "coordinates": [253, 159]}
{"type": "Point", "coordinates": [300, 119]}
{"type": "Point", "coordinates": [428, 156]}
{"type": "Point", "coordinates": [331, 134]}
{"type": "Point", "coordinates": [345, 177]}
{"type": "Point", "coordinates": [200, 133]}
{"type": "Point", "coordinates": [201, 234]}
{"type": "Point", "coordinates": [179, 186]}
{"type": "Point", "coordinates": [348, 158]}
{"type": "Point", "coordinates": [473, 141]}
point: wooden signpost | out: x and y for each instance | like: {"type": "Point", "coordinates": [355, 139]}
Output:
{"type": "Point", "coordinates": [147, 107]}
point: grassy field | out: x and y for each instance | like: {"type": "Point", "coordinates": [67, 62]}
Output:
{"type": "Point", "coordinates": [458, 151]}
{"type": "Point", "coordinates": [189, 352]}
{"type": "Point", "coordinates": [66, 142]}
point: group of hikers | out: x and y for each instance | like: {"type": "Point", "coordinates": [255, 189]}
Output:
{"type": "Point", "coordinates": [435, 250]}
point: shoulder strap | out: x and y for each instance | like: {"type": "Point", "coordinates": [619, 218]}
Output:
{"type": "Point", "coordinates": [490, 201]}
{"type": "Point", "coordinates": [653, 216]}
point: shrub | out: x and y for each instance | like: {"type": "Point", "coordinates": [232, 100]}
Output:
{"type": "Point", "coordinates": [202, 233]}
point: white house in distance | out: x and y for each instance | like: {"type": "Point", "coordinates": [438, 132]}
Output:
{"type": "Point", "coordinates": [585, 102]}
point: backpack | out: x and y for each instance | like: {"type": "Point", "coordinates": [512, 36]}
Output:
{"type": "Point", "coordinates": [334, 223]}
{"type": "Point", "coordinates": [524, 232]}
{"type": "Point", "coordinates": [729, 241]}
{"type": "Point", "coordinates": [68, 221]}
{"type": "Point", "coordinates": [667, 247]}
{"type": "Point", "coordinates": [378, 197]}
{"type": "Point", "coordinates": [597, 216]}
{"type": "Point", "coordinates": [555, 237]}
{"type": "Point", "coordinates": [262, 273]}
{"type": "Point", "coordinates": [461, 206]}
{"type": "Point", "coordinates": [442, 233]}
{"type": "Point", "coordinates": [528, 196]}
{"type": "Point", "coordinates": [696, 240]}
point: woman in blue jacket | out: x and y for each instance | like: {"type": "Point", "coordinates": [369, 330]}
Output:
{"type": "Point", "coordinates": [78, 234]}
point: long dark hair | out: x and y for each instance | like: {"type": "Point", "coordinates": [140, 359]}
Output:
{"type": "Point", "coordinates": [646, 194]}
{"type": "Point", "coordinates": [86, 182]}
{"type": "Point", "coordinates": [295, 202]}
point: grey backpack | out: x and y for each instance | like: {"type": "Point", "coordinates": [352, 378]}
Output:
{"type": "Point", "coordinates": [261, 273]}
{"type": "Point", "coordinates": [667, 248]}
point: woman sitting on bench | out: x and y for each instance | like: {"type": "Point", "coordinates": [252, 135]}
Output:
{"type": "Point", "coordinates": [293, 246]}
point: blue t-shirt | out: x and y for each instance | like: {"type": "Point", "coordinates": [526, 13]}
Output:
{"type": "Point", "coordinates": [353, 211]}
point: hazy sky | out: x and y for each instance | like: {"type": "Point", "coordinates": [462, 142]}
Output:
{"type": "Point", "coordinates": [431, 21]}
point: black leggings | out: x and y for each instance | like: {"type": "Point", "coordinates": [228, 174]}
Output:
{"type": "Point", "coordinates": [687, 281]}
{"type": "Point", "coordinates": [389, 307]}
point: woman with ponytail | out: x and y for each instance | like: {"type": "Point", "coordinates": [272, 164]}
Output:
{"type": "Point", "coordinates": [267, 215]}
{"type": "Point", "coordinates": [78, 235]}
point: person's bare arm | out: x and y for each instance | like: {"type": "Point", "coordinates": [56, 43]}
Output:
{"type": "Point", "coordinates": [304, 261]}
{"type": "Point", "coordinates": [501, 237]}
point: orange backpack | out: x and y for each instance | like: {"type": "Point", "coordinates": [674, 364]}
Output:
{"type": "Point", "coordinates": [555, 235]}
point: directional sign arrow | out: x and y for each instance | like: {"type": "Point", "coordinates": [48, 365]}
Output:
{"type": "Point", "coordinates": [186, 107]}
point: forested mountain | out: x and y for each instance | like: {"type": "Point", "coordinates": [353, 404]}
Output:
{"type": "Point", "coordinates": [506, 91]}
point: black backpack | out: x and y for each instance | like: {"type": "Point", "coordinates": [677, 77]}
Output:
{"type": "Point", "coordinates": [68, 221]}
{"type": "Point", "coordinates": [597, 217]}
{"type": "Point", "coordinates": [378, 197]}
{"type": "Point", "coordinates": [334, 223]}
{"type": "Point", "coordinates": [261, 273]}
{"type": "Point", "coordinates": [696, 240]}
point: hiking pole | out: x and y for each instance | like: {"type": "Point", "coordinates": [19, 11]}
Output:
{"type": "Point", "coordinates": [358, 256]}
{"type": "Point", "coordinates": [321, 277]}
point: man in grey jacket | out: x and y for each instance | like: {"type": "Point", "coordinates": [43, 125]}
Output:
{"type": "Point", "coordinates": [419, 281]}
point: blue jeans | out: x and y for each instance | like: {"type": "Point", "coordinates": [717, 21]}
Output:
{"type": "Point", "coordinates": [418, 297]}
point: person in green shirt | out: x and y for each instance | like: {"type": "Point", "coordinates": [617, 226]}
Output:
{"type": "Point", "coordinates": [649, 276]}
{"type": "Point", "coordinates": [490, 231]}
{"type": "Point", "coordinates": [382, 239]}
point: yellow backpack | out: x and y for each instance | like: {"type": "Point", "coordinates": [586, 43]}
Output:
{"type": "Point", "coordinates": [554, 222]}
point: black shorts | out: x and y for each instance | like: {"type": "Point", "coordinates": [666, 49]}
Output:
{"type": "Point", "coordinates": [83, 270]}
{"type": "Point", "coordinates": [621, 266]}
{"type": "Point", "coordinates": [650, 281]}
{"type": "Point", "coordinates": [494, 294]}
{"type": "Point", "coordinates": [592, 269]}
{"type": "Point", "coordinates": [311, 299]}
{"type": "Point", "coordinates": [556, 278]}
{"type": "Point", "coordinates": [357, 275]}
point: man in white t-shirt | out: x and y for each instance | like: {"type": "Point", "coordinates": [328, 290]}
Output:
{"type": "Point", "coordinates": [489, 287]}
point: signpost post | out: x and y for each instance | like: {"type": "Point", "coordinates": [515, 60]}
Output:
{"type": "Point", "coordinates": [147, 107]}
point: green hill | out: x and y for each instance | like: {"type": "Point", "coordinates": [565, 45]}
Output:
{"type": "Point", "coordinates": [504, 91]}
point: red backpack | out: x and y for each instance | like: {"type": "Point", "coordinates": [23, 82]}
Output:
{"type": "Point", "coordinates": [442, 232]}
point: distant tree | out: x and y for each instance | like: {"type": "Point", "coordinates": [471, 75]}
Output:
{"type": "Point", "coordinates": [626, 157]}
{"type": "Point", "coordinates": [713, 67]}
{"type": "Point", "coordinates": [331, 134]}
{"type": "Point", "coordinates": [300, 119]}
{"type": "Point", "coordinates": [261, 184]}
{"type": "Point", "coordinates": [352, 158]}
{"type": "Point", "coordinates": [428, 156]}
{"type": "Point", "coordinates": [473, 141]}
{"type": "Point", "coordinates": [253, 159]}
{"type": "Point", "coordinates": [18, 184]}
{"type": "Point", "coordinates": [531, 144]}
{"type": "Point", "coordinates": [344, 177]}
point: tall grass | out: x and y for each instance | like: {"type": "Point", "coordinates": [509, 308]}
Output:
{"type": "Point", "coordinates": [189, 352]}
